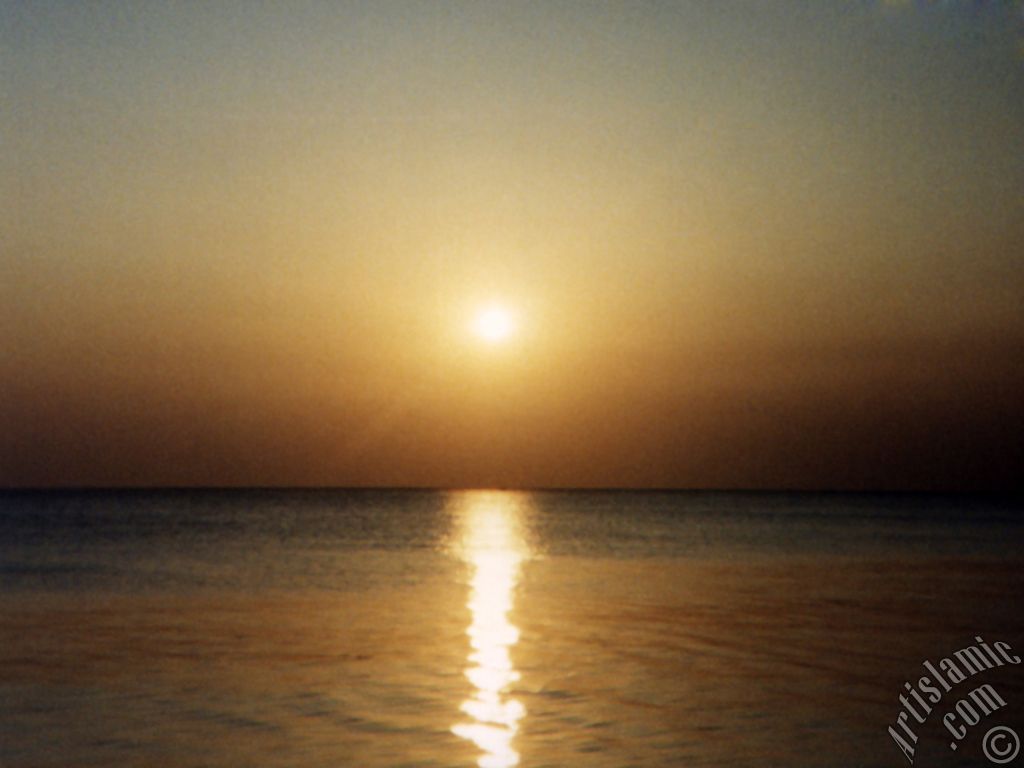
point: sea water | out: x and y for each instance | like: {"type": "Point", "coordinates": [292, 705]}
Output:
{"type": "Point", "coordinates": [423, 628]}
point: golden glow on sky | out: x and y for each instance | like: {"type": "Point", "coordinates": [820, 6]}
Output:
{"type": "Point", "coordinates": [746, 244]}
{"type": "Point", "coordinates": [493, 547]}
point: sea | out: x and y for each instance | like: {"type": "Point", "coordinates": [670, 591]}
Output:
{"type": "Point", "coordinates": [236, 628]}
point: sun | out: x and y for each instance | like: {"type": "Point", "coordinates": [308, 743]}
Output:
{"type": "Point", "coordinates": [494, 324]}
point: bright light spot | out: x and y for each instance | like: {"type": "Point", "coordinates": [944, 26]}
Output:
{"type": "Point", "coordinates": [494, 324]}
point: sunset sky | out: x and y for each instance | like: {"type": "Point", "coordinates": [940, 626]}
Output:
{"type": "Point", "coordinates": [739, 244]}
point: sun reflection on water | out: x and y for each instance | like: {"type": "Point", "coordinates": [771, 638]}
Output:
{"type": "Point", "coordinates": [492, 544]}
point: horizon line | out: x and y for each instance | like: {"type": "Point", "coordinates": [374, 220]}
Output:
{"type": "Point", "coordinates": [101, 488]}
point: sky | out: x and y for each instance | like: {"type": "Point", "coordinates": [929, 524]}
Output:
{"type": "Point", "coordinates": [743, 244]}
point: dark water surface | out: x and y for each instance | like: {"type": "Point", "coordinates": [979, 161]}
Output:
{"type": "Point", "coordinates": [418, 628]}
